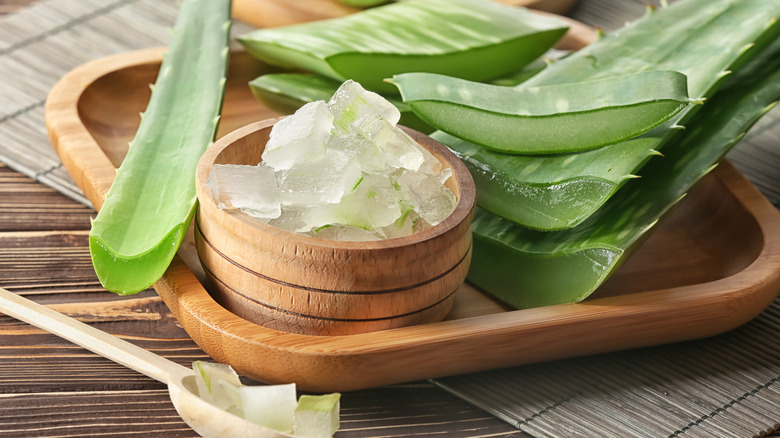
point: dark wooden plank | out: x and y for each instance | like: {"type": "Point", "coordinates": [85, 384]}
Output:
{"type": "Point", "coordinates": [26, 205]}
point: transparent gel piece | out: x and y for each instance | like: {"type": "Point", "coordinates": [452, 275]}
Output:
{"type": "Point", "coordinates": [317, 416]}
{"type": "Point", "coordinates": [272, 406]}
{"type": "Point", "coordinates": [406, 225]}
{"type": "Point", "coordinates": [346, 233]}
{"type": "Point", "coordinates": [351, 101]}
{"type": "Point", "coordinates": [320, 181]}
{"type": "Point", "coordinates": [252, 189]}
{"type": "Point", "coordinates": [299, 137]}
{"type": "Point", "coordinates": [292, 219]}
{"type": "Point", "coordinates": [365, 151]}
{"type": "Point", "coordinates": [217, 384]}
{"type": "Point", "coordinates": [401, 151]}
{"type": "Point", "coordinates": [373, 204]}
{"type": "Point", "coordinates": [433, 201]}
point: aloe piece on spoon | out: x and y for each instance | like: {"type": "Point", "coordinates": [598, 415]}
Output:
{"type": "Point", "coordinates": [205, 418]}
{"type": "Point", "coordinates": [150, 204]}
{"type": "Point", "coordinates": [472, 39]}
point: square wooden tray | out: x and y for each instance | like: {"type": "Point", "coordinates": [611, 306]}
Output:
{"type": "Point", "coordinates": [711, 266]}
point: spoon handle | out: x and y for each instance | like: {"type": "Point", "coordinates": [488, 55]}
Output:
{"type": "Point", "coordinates": [97, 341]}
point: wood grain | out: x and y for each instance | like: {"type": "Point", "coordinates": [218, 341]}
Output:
{"type": "Point", "coordinates": [27, 205]}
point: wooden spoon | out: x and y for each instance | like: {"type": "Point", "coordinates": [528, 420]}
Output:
{"type": "Point", "coordinates": [204, 418]}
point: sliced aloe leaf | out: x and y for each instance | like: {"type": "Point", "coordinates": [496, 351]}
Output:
{"type": "Point", "coordinates": [552, 119]}
{"type": "Point", "coordinates": [150, 204]}
{"type": "Point", "coordinates": [703, 39]}
{"type": "Point", "coordinates": [526, 268]}
{"type": "Point", "coordinates": [455, 37]}
{"type": "Point", "coordinates": [286, 92]}
{"type": "Point", "coordinates": [548, 192]}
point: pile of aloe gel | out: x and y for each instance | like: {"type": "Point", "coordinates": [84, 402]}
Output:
{"type": "Point", "coordinates": [576, 164]}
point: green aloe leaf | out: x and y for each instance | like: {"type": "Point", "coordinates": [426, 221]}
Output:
{"type": "Point", "coordinates": [550, 192]}
{"type": "Point", "coordinates": [526, 268]}
{"type": "Point", "coordinates": [150, 204]}
{"type": "Point", "coordinates": [703, 39]}
{"type": "Point", "coordinates": [455, 37]}
{"type": "Point", "coordinates": [531, 69]}
{"type": "Point", "coordinates": [552, 119]}
{"type": "Point", "coordinates": [286, 92]}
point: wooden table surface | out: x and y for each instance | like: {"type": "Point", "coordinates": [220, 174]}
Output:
{"type": "Point", "coordinates": [49, 387]}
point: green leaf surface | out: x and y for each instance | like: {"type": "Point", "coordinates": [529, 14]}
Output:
{"type": "Point", "coordinates": [704, 39]}
{"type": "Point", "coordinates": [286, 92]}
{"type": "Point", "coordinates": [548, 192]}
{"type": "Point", "coordinates": [552, 119]}
{"type": "Point", "coordinates": [150, 204]}
{"type": "Point", "coordinates": [526, 268]}
{"type": "Point", "coordinates": [455, 37]}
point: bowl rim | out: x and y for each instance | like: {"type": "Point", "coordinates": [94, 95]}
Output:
{"type": "Point", "coordinates": [464, 207]}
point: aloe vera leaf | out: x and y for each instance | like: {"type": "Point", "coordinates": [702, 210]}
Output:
{"type": "Point", "coordinates": [531, 69]}
{"type": "Point", "coordinates": [286, 92]}
{"type": "Point", "coordinates": [704, 39]}
{"type": "Point", "coordinates": [526, 268]}
{"type": "Point", "coordinates": [456, 37]}
{"type": "Point", "coordinates": [150, 204]}
{"type": "Point", "coordinates": [548, 192]}
{"type": "Point", "coordinates": [552, 119]}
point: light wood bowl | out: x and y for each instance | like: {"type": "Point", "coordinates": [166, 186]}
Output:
{"type": "Point", "coordinates": [301, 284]}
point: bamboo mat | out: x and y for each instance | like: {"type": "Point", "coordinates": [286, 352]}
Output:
{"type": "Point", "coordinates": [46, 40]}
{"type": "Point", "coordinates": [724, 386]}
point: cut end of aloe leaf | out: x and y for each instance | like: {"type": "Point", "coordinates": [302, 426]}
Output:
{"type": "Point", "coordinates": [151, 201]}
{"type": "Point", "coordinates": [127, 275]}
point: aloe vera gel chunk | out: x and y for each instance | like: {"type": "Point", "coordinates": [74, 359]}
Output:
{"type": "Point", "coordinates": [286, 92]}
{"type": "Point", "coordinates": [271, 406]}
{"type": "Point", "coordinates": [317, 416]}
{"type": "Point", "coordinates": [151, 202]}
{"type": "Point", "coordinates": [218, 384]}
{"type": "Point", "coordinates": [454, 37]}
{"type": "Point", "coordinates": [342, 170]}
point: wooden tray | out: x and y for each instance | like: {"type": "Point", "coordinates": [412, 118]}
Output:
{"type": "Point", "coordinates": [712, 265]}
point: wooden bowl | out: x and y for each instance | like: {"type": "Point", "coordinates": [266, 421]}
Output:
{"type": "Point", "coordinates": [301, 284]}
